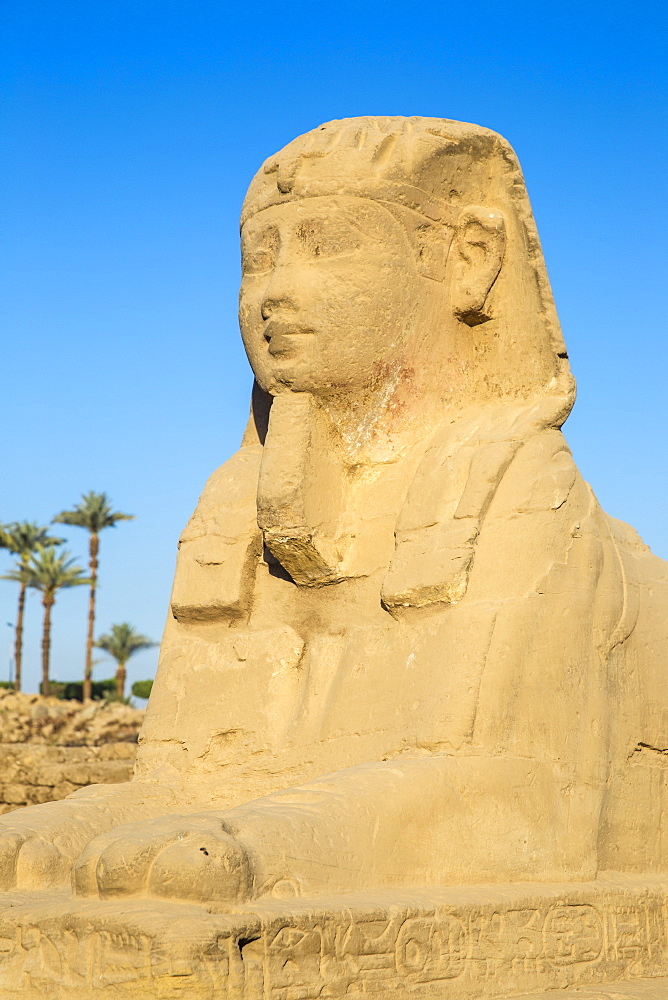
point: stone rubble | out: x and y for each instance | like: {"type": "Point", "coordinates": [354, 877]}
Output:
{"type": "Point", "coordinates": [50, 748]}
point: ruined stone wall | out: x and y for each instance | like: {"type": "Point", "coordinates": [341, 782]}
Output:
{"type": "Point", "coordinates": [32, 773]}
{"type": "Point", "coordinates": [49, 748]}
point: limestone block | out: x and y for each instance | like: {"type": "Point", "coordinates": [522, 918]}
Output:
{"type": "Point", "coordinates": [97, 772]}
{"type": "Point", "coordinates": [117, 751]}
{"type": "Point", "coordinates": [64, 788]}
{"type": "Point", "coordinates": [41, 773]}
{"type": "Point", "coordinates": [10, 772]}
{"type": "Point", "coordinates": [39, 793]}
{"type": "Point", "coordinates": [16, 794]}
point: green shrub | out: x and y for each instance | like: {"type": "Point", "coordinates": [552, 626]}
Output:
{"type": "Point", "coordinates": [73, 690]}
{"type": "Point", "coordinates": [7, 685]}
{"type": "Point", "coordinates": [56, 688]}
{"type": "Point", "coordinates": [142, 689]}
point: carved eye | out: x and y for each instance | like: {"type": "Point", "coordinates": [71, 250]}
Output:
{"type": "Point", "coordinates": [316, 238]}
{"type": "Point", "coordinates": [259, 252]}
{"type": "Point", "coordinates": [257, 261]}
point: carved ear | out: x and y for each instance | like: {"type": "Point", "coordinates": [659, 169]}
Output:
{"type": "Point", "coordinates": [479, 246]}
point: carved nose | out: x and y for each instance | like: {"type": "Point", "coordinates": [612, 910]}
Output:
{"type": "Point", "coordinates": [267, 308]}
{"type": "Point", "coordinates": [273, 303]}
{"type": "Point", "coordinates": [278, 293]}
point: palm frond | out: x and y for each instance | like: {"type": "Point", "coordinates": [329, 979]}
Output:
{"type": "Point", "coordinates": [93, 513]}
{"type": "Point", "coordinates": [122, 642]}
{"type": "Point", "coordinates": [23, 537]}
{"type": "Point", "coordinates": [49, 572]}
{"type": "Point", "coordinates": [19, 574]}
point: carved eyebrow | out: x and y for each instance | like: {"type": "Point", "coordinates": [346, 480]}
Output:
{"type": "Point", "coordinates": [270, 230]}
{"type": "Point", "coordinates": [342, 210]}
{"type": "Point", "coordinates": [326, 220]}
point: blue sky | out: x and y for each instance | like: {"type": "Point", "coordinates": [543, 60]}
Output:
{"type": "Point", "coordinates": [131, 130]}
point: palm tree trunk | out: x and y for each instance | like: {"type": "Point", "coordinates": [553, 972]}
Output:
{"type": "Point", "coordinates": [48, 603]}
{"type": "Point", "coordinates": [18, 640]}
{"type": "Point", "coordinates": [88, 672]}
{"type": "Point", "coordinates": [121, 674]}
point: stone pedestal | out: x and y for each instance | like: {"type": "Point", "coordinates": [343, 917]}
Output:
{"type": "Point", "coordinates": [495, 941]}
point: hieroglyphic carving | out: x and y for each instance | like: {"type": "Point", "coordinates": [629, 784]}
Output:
{"type": "Point", "coordinates": [353, 952]}
{"type": "Point", "coordinates": [73, 957]}
{"type": "Point", "coordinates": [630, 933]}
{"type": "Point", "coordinates": [428, 950]}
{"type": "Point", "coordinates": [572, 934]}
{"type": "Point", "coordinates": [563, 941]}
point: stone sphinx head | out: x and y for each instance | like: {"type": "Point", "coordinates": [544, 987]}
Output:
{"type": "Point", "coordinates": [398, 256]}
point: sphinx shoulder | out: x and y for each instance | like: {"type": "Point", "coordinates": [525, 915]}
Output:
{"type": "Point", "coordinates": [458, 491]}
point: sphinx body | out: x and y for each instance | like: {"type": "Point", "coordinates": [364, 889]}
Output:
{"type": "Point", "coordinates": [406, 646]}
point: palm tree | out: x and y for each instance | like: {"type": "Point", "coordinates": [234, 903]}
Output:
{"type": "Point", "coordinates": [122, 642]}
{"type": "Point", "coordinates": [48, 573]}
{"type": "Point", "coordinates": [22, 538]}
{"type": "Point", "coordinates": [93, 513]}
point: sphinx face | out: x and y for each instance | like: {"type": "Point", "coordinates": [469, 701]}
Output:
{"type": "Point", "coordinates": [330, 295]}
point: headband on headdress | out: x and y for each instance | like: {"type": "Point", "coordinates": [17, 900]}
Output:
{"type": "Point", "coordinates": [399, 161]}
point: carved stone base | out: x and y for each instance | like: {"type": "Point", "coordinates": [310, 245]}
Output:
{"type": "Point", "coordinates": [642, 989]}
{"type": "Point", "coordinates": [485, 942]}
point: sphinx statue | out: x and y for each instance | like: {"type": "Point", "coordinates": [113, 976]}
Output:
{"type": "Point", "coordinates": [406, 646]}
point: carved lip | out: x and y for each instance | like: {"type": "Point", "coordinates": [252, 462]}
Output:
{"type": "Point", "coordinates": [280, 336]}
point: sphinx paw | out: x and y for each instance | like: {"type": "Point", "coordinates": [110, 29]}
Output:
{"type": "Point", "coordinates": [175, 857]}
{"type": "Point", "coordinates": [29, 861]}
